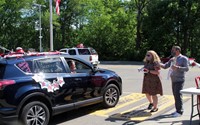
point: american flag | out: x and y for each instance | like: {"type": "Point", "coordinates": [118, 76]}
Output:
{"type": "Point", "coordinates": [57, 6]}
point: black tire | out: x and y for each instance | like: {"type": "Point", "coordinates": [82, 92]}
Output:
{"type": "Point", "coordinates": [35, 113]}
{"type": "Point", "coordinates": [111, 96]}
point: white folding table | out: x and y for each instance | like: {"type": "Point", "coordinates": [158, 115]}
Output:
{"type": "Point", "coordinates": [193, 91]}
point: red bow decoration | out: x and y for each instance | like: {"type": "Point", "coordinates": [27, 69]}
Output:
{"type": "Point", "coordinates": [195, 64]}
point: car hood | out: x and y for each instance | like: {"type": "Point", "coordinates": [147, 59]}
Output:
{"type": "Point", "coordinates": [107, 71]}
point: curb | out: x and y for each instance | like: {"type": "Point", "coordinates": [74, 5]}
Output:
{"type": "Point", "coordinates": [122, 62]}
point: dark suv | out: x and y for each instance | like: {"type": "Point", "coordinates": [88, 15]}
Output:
{"type": "Point", "coordinates": [34, 88]}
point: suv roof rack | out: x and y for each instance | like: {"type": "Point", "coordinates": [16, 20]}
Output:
{"type": "Point", "coordinates": [19, 55]}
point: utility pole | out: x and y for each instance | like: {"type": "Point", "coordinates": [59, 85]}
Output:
{"type": "Point", "coordinates": [51, 26]}
{"type": "Point", "coordinates": [40, 23]}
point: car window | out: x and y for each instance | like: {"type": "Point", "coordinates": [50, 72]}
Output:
{"type": "Point", "coordinates": [25, 66]}
{"type": "Point", "coordinates": [82, 68]}
{"type": "Point", "coordinates": [83, 52]}
{"type": "Point", "coordinates": [72, 52]}
{"type": "Point", "coordinates": [50, 65]}
{"type": "Point", "coordinates": [77, 67]}
{"type": "Point", "coordinates": [65, 51]}
{"type": "Point", "coordinates": [93, 51]}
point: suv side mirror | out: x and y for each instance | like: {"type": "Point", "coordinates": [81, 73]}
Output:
{"type": "Point", "coordinates": [95, 67]}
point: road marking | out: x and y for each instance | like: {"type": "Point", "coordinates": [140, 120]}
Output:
{"type": "Point", "coordinates": [139, 112]}
{"type": "Point", "coordinates": [123, 101]}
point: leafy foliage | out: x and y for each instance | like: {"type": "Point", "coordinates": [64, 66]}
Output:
{"type": "Point", "coordinates": [117, 29]}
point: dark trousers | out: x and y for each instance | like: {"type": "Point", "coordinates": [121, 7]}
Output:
{"type": "Point", "coordinates": [176, 87]}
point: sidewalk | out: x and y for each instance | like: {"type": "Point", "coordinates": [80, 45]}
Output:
{"type": "Point", "coordinates": [165, 118]}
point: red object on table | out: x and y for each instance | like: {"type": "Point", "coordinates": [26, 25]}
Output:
{"type": "Point", "coordinates": [198, 96]}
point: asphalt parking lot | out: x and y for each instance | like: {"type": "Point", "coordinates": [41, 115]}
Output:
{"type": "Point", "coordinates": [132, 104]}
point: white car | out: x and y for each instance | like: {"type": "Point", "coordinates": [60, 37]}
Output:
{"type": "Point", "coordinates": [89, 54]}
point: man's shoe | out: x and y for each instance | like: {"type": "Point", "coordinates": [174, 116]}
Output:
{"type": "Point", "coordinates": [173, 113]}
{"type": "Point", "coordinates": [150, 106]}
{"type": "Point", "coordinates": [176, 114]}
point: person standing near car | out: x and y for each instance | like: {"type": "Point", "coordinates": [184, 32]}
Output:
{"type": "Point", "coordinates": [179, 65]}
{"type": "Point", "coordinates": [151, 82]}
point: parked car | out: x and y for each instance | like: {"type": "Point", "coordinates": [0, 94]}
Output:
{"type": "Point", "coordinates": [33, 88]}
{"type": "Point", "coordinates": [88, 54]}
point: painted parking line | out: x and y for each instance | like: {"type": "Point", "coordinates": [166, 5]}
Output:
{"type": "Point", "coordinates": [139, 111]}
{"type": "Point", "coordinates": [123, 101]}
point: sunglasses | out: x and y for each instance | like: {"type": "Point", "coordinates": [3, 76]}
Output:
{"type": "Point", "coordinates": [148, 55]}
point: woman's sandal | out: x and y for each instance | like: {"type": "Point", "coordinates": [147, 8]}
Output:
{"type": "Point", "coordinates": [154, 110]}
{"type": "Point", "coordinates": [150, 106]}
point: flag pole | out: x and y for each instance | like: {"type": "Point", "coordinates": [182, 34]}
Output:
{"type": "Point", "coordinates": [51, 26]}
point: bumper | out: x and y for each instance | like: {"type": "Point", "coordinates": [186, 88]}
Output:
{"type": "Point", "coordinates": [95, 62]}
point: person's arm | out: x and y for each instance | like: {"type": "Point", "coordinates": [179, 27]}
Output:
{"type": "Point", "coordinates": [156, 70]}
{"type": "Point", "coordinates": [166, 65]}
{"type": "Point", "coordinates": [183, 68]}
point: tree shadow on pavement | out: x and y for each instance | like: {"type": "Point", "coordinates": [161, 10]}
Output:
{"type": "Point", "coordinates": [131, 118]}
{"type": "Point", "coordinates": [173, 121]}
{"type": "Point", "coordinates": [130, 123]}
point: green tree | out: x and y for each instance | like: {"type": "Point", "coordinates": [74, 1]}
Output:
{"type": "Point", "coordinates": [170, 23]}
{"type": "Point", "coordinates": [109, 28]}
{"type": "Point", "coordinates": [140, 8]}
{"type": "Point", "coordinates": [117, 29]}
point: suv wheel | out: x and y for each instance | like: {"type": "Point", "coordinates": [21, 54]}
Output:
{"type": "Point", "coordinates": [111, 96]}
{"type": "Point", "coordinates": [35, 113]}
